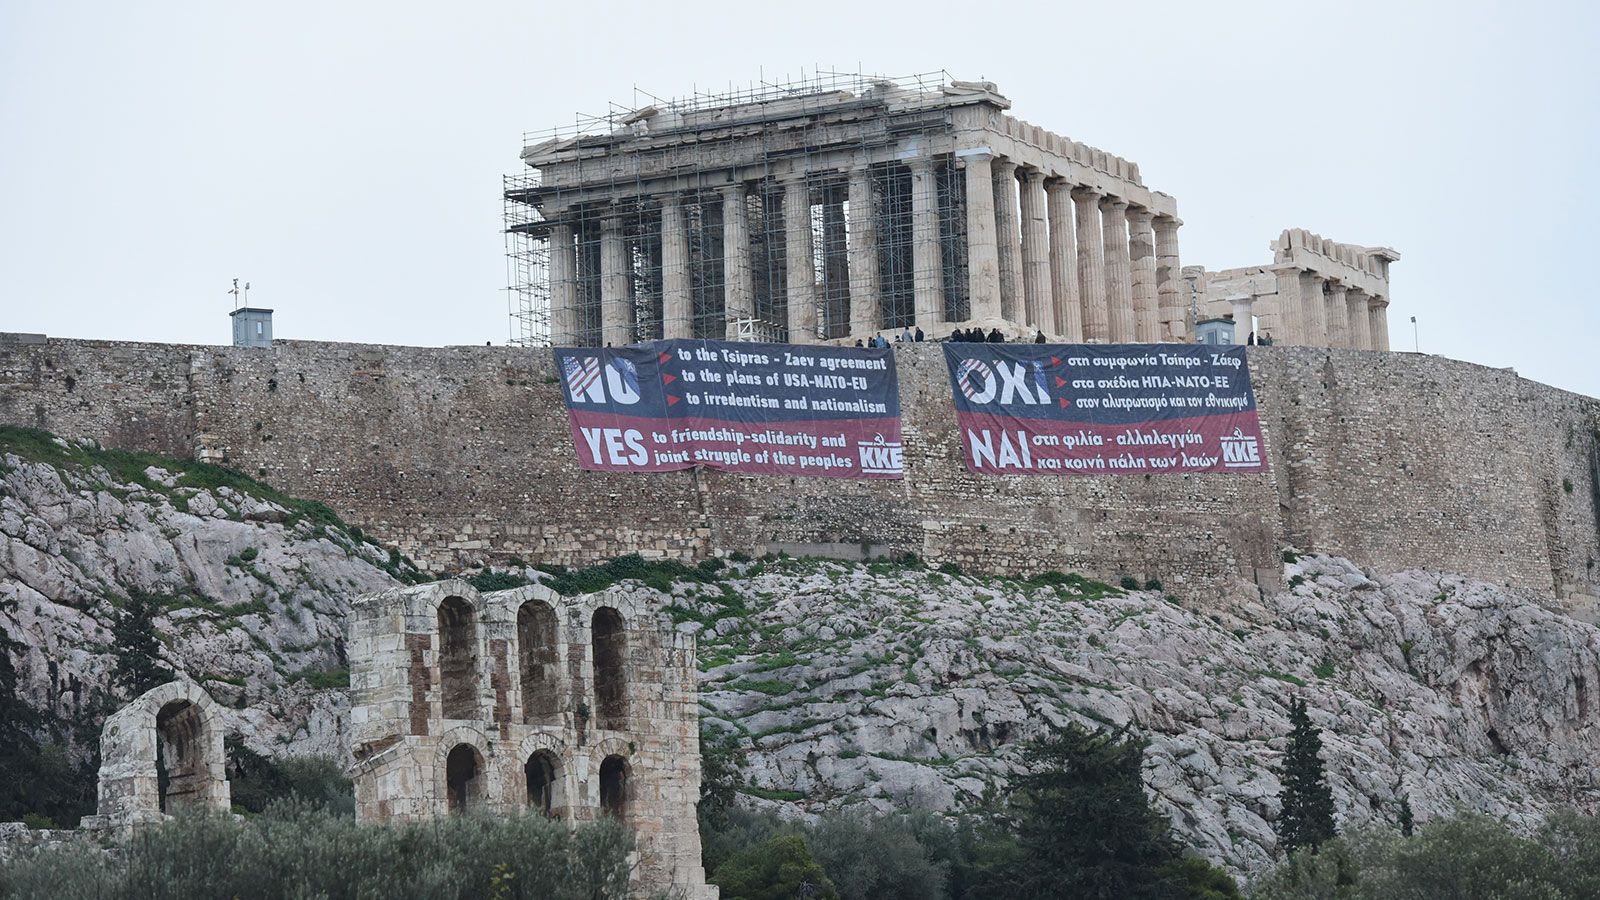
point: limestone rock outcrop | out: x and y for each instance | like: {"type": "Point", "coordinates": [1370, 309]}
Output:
{"type": "Point", "coordinates": [908, 687]}
{"type": "Point", "coordinates": [253, 596]}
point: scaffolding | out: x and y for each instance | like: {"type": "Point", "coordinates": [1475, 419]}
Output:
{"type": "Point", "coordinates": [602, 202]}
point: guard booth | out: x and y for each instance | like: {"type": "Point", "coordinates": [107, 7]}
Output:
{"type": "Point", "coordinates": [1214, 331]}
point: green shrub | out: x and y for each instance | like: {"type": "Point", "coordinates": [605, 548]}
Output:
{"type": "Point", "coordinates": [872, 857]}
{"type": "Point", "coordinates": [491, 580]}
{"type": "Point", "coordinates": [774, 870]}
{"type": "Point", "coordinates": [295, 851]}
{"type": "Point", "coordinates": [1289, 556]}
{"type": "Point", "coordinates": [1128, 583]}
{"type": "Point", "coordinates": [657, 574]}
{"type": "Point", "coordinates": [1566, 485]}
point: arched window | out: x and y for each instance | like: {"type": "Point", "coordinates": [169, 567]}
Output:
{"type": "Point", "coordinates": [180, 769]}
{"type": "Point", "coordinates": [541, 772]}
{"type": "Point", "coordinates": [610, 662]}
{"type": "Point", "coordinates": [463, 778]}
{"type": "Point", "coordinates": [614, 787]}
{"type": "Point", "coordinates": [458, 659]}
{"type": "Point", "coordinates": [538, 660]}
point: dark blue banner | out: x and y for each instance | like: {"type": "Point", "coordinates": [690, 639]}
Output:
{"type": "Point", "coordinates": [772, 409]}
{"type": "Point", "coordinates": [1056, 409]}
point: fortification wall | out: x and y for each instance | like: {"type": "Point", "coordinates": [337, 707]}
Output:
{"type": "Point", "coordinates": [459, 453]}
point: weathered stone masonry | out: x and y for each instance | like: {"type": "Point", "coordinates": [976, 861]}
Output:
{"type": "Point", "coordinates": [458, 453]}
{"type": "Point", "coordinates": [525, 700]}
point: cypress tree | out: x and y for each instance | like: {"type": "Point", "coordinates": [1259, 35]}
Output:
{"type": "Point", "coordinates": [1084, 824]}
{"type": "Point", "coordinates": [138, 651]}
{"type": "Point", "coordinates": [1408, 824]}
{"type": "Point", "coordinates": [1307, 817]}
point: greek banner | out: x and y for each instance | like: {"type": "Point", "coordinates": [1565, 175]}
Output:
{"type": "Point", "coordinates": [762, 409]}
{"type": "Point", "coordinates": [1105, 409]}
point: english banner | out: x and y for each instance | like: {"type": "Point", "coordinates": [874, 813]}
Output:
{"type": "Point", "coordinates": [764, 409]}
{"type": "Point", "coordinates": [1104, 409]}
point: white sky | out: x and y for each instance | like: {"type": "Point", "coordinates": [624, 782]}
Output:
{"type": "Point", "coordinates": [346, 158]}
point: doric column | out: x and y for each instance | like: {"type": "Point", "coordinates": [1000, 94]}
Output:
{"type": "Point", "coordinates": [1357, 320]}
{"type": "Point", "coordinates": [616, 306]}
{"type": "Point", "coordinates": [983, 258]}
{"type": "Point", "coordinates": [1336, 316]}
{"type": "Point", "coordinates": [738, 283]}
{"type": "Point", "coordinates": [1008, 240]}
{"type": "Point", "coordinates": [1169, 281]}
{"type": "Point", "coordinates": [866, 313]}
{"type": "Point", "coordinates": [1091, 266]}
{"type": "Point", "coordinates": [677, 307]}
{"type": "Point", "coordinates": [800, 287]}
{"type": "Point", "coordinates": [1288, 330]}
{"type": "Point", "coordinates": [1063, 262]}
{"type": "Point", "coordinates": [1142, 266]}
{"type": "Point", "coordinates": [1037, 303]}
{"type": "Point", "coordinates": [1378, 323]}
{"type": "Point", "coordinates": [1312, 309]}
{"type": "Point", "coordinates": [926, 258]}
{"type": "Point", "coordinates": [564, 287]}
{"type": "Point", "coordinates": [1243, 324]}
{"type": "Point", "coordinates": [1119, 277]}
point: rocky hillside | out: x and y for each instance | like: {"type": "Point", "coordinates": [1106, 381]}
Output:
{"type": "Point", "coordinates": [252, 586]}
{"type": "Point", "coordinates": [906, 686]}
{"type": "Point", "coordinates": [840, 682]}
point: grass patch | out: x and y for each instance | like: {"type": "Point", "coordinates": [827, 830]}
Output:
{"type": "Point", "coordinates": [324, 679]}
{"type": "Point", "coordinates": [1292, 679]}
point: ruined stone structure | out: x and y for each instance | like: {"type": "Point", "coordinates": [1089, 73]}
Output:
{"type": "Point", "coordinates": [836, 209]}
{"type": "Point", "coordinates": [458, 454]}
{"type": "Point", "coordinates": [1316, 292]}
{"type": "Point", "coordinates": [160, 756]}
{"type": "Point", "coordinates": [525, 700]}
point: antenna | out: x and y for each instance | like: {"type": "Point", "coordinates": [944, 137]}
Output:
{"type": "Point", "coordinates": [241, 295]}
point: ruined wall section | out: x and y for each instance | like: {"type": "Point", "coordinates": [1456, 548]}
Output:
{"type": "Point", "coordinates": [1395, 460]}
{"type": "Point", "coordinates": [121, 394]}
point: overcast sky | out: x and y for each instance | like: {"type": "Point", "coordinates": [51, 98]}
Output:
{"type": "Point", "coordinates": [346, 158]}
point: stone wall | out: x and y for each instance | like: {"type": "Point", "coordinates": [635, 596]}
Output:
{"type": "Point", "coordinates": [455, 454]}
{"type": "Point", "coordinates": [562, 717]}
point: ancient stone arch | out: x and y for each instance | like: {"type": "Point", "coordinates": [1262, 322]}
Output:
{"type": "Point", "coordinates": [161, 755]}
{"type": "Point", "coordinates": [465, 776]}
{"type": "Point", "coordinates": [458, 656]}
{"type": "Point", "coordinates": [539, 658]}
{"type": "Point", "coordinates": [608, 636]}
{"type": "Point", "coordinates": [544, 769]}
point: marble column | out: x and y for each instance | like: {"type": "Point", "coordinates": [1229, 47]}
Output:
{"type": "Point", "coordinates": [1243, 321]}
{"type": "Point", "coordinates": [1378, 322]}
{"type": "Point", "coordinates": [1169, 281]}
{"type": "Point", "coordinates": [616, 305]}
{"type": "Point", "coordinates": [866, 313]}
{"type": "Point", "coordinates": [1091, 266]}
{"type": "Point", "coordinates": [1142, 265]}
{"type": "Point", "coordinates": [983, 259]}
{"type": "Point", "coordinates": [800, 286]}
{"type": "Point", "coordinates": [926, 257]}
{"type": "Point", "coordinates": [1119, 276]}
{"type": "Point", "coordinates": [1357, 320]}
{"type": "Point", "coordinates": [738, 281]}
{"type": "Point", "coordinates": [1036, 291]}
{"type": "Point", "coordinates": [835, 263]}
{"type": "Point", "coordinates": [1312, 310]}
{"type": "Point", "coordinates": [1063, 262]}
{"type": "Point", "coordinates": [1286, 329]}
{"type": "Point", "coordinates": [677, 305]}
{"type": "Point", "coordinates": [1008, 240]}
{"type": "Point", "coordinates": [1336, 316]}
{"type": "Point", "coordinates": [564, 316]}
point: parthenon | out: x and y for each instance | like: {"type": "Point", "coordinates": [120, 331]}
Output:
{"type": "Point", "coordinates": [834, 210]}
{"type": "Point", "coordinates": [1316, 292]}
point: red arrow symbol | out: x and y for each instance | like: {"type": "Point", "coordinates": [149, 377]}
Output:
{"type": "Point", "coordinates": [665, 357]}
{"type": "Point", "coordinates": [1055, 360]}
{"type": "Point", "coordinates": [1065, 402]}
{"type": "Point", "coordinates": [1060, 382]}
{"type": "Point", "coordinates": [668, 378]}
{"type": "Point", "coordinates": [671, 400]}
